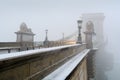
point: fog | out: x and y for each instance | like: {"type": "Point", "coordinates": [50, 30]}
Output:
{"type": "Point", "coordinates": [52, 15]}
{"type": "Point", "coordinates": [60, 17]}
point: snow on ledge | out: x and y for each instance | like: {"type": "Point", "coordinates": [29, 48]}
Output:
{"type": "Point", "coordinates": [31, 52]}
{"type": "Point", "coordinates": [62, 72]}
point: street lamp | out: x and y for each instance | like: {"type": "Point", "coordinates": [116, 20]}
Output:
{"type": "Point", "coordinates": [46, 42]}
{"type": "Point", "coordinates": [46, 39]}
{"type": "Point", "coordinates": [79, 40]}
{"type": "Point", "coordinates": [63, 36]}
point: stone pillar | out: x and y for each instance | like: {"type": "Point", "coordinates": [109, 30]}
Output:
{"type": "Point", "coordinates": [88, 39]}
{"type": "Point", "coordinates": [88, 35]}
{"type": "Point", "coordinates": [25, 36]}
{"type": "Point", "coordinates": [89, 45]}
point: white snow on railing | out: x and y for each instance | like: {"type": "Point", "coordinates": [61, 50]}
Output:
{"type": "Point", "coordinates": [4, 48]}
{"type": "Point", "coordinates": [31, 52]}
{"type": "Point", "coordinates": [62, 72]}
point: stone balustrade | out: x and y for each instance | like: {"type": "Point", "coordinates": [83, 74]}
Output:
{"type": "Point", "coordinates": [36, 64]}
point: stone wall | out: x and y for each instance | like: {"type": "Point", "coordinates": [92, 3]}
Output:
{"type": "Point", "coordinates": [80, 72]}
{"type": "Point", "coordinates": [36, 66]}
{"type": "Point", "coordinates": [90, 65]}
{"type": "Point", "coordinates": [9, 44]}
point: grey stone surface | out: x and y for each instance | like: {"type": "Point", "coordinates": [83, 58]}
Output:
{"type": "Point", "coordinates": [25, 34]}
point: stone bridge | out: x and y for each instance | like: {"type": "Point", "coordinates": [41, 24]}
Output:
{"type": "Point", "coordinates": [56, 63]}
{"type": "Point", "coordinates": [58, 60]}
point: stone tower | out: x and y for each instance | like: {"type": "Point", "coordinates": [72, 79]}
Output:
{"type": "Point", "coordinates": [25, 36]}
{"type": "Point", "coordinates": [93, 37]}
{"type": "Point", "coordinates": [95, 22]}
{"type": "Point", "coordinates": [89, 35]}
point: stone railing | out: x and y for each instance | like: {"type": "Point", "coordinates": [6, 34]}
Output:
{"type": "Point", "coordinates": [9, 44]}
{"type": "Point", "coordinates": [36, 64]}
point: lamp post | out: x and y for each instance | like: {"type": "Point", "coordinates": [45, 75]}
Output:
{"type": "Point", "coordinates": [63, 36]}
{"type": "Point", "coordinates": [46, 42]}
{"type": "Point", "coordinates": [46, 39]}
{"type": "Point", "coordinates": [79, 40]}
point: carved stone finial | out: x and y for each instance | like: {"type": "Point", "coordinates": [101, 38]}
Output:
{"type": "Point", "coordinates": [23, 27]}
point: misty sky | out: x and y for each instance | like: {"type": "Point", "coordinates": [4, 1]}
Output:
{"type": "Point", "coordinates": [58, 16]}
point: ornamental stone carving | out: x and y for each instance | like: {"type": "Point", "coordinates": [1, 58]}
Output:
{"type": "Point", "coordinates": [24, 28]}
{"type": "Point", "coordinates": [25, 34]}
